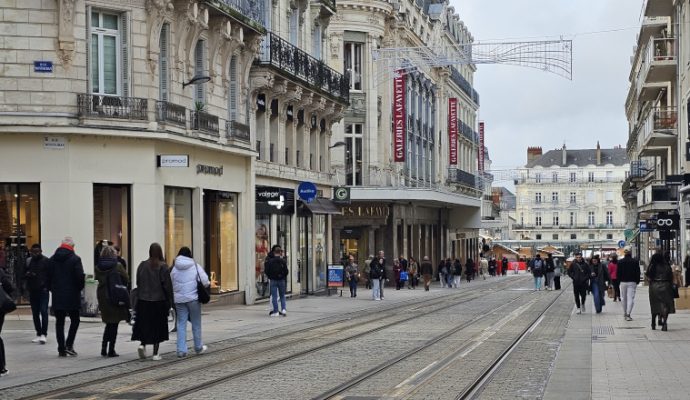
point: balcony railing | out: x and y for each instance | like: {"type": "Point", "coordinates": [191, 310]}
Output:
{"type": "Point", "coordinates": [171, 113]}
{"type": "Point", "coordinates": [659, 119]}
{"type": "Point", "coordinates": [640, 169]}
{"type": "Point", "coordinates": [237, 131]}
{"type": "Point", "coordinates": [102, 106]}
{"type": "Point", "coordinates": [468, 132]}
{"type": "Point", "coordinates": [294, 61]}
{"type": "Point", "coordinates": [251, 9]}
{"type": "Point", "coordinates": [460, 80]}
{"type": "Point", "coordinates": [205, 122]}
{"type": "Point", "coordinates": [465, 178]}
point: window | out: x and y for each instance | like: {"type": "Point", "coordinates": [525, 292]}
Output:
{"type": "Point", "coordinates": [609, 197]}
{"type": "Point", "coordinates": [573, 177]}
{"type": "Point", "coordinates": [522, 219]}
{"type": "Point", "coordinates": [271, 152]}
{"type": "Point", "coordinates": [163, 64]}
{"type": "Point", "coordinates": [554, 177]}
{"type": "Point", "coordinates": [555, 219]}
{"type": "Point", "coordinates": [609, 236]}
{"type": "Point", "coordinates": [537, 197]}
{"type": "Point", "coordinates": [590, 177]}
{"type": "Point", "coordinates": [590, 218]}
{"type": "Point", "coordinates": [573, 198]}
{"type": "Point", "coordinates": [591, 197]}
{"type": "Point", "coordinates": [293, 26]}
{"type": "Point", "coordinates": [609, 176]}
{"type": "Point", "coordinates": [200, 70]}
{"type": "Point", "coordinates": [537, 219]}
{"type": "Point", "coordinates": [538, 236]}
{"type": "Point", "coordinates": [178, 220]}
{"type": "Point", "coordinates": [554, 197]}
{"type": "Point", "coordinates": [258, 149]}
{"type": "Point", "coordinates": [353, 154]}
{"type": "Point", "coordinates": [537, 178]}
{"type": "Point", "coordinates": [232, 92]}
{"type": "Point", "coordinates": [573, 236]}
{"type": "Point", "coordinates": [609, 217]}
{"type": "Point", "coordinates": [591, 236]}
{"type": "Point", "coordinates": [108, 54]}
{"type": "Point", "coordinates": [316, 41]}
{"type": "Point", "coordinates": [353, 64]}
{"type": "Point", "coordinates": [573, 218]}
{"type": "Point", "coordinates": [555, 236]}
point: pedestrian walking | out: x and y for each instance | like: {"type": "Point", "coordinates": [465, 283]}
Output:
{"type": "Point", "coordinates": [686, 265]}
{"type": "Point", "coordinates": [36, 276]}
{"type": "Point", "coordinates": [613, 273]}
{"type": "Point", "coordinates": [483, 267]}
{"type": "Point", "coordinates": [537, 268]}
{"type": "Point", "coordinates": [504, 266]}
{"type": "Point", "coordinates": [580, 273]}
{"type": "Point", "coordinates": [661, 298]}
{"type": "Point", "coordinates": [367, 270]}
{"type": "Point", "coordinates": [154, 300]}
{"type": "Point", "coordinates": [550, 271]}
{"type": "Point", "coordinates": [375, 274]}
{"type": "Point", "coordinates": [442, 271]}
{"type": "Point", "coordinates": [352, 275]}
{"type": "Point", "coordinates": [628, 273]}
{"type": "Point", "coordinates": [469, 269]}
{"type": "Point", "coordinates": [65, 280]}
{"type": "Point", "coordinates": [185, 275]}
{"type": "Point", "coordinates": [384, 275]}
{"type": "Point", "coordinates": [457, 273]}
{"type": "Point", "coordinates": [449, 273]}
{"type": "Point", "coordinates": [600, 281]}
{"type": "Point", "coordinates": [397, 269]}
{"type": "Point", "coordinates": [277, 271]}
{"type": "Point", "coordinates": [111, 276]}
{"type": "Point", "coordinates": [558, 270]}
{"type": "Point", "coordinates": [6, 283]}
{"type": "Point", "coordinates": [413, 274]}
{"type": "Point", "coordinates": [427, 270]}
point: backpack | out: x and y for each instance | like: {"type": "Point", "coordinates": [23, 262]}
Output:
{"type": "Point", "coordinates": [538, 267]}
{"type": "Point", "coordinates": [116, 290]}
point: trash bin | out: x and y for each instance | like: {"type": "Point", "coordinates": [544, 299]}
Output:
{"type": "Point", "coordinates": [89, 301]}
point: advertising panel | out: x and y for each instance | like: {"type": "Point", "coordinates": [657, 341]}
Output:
{"type": "Point", "coordinates": [399, 118]}
{"type": "Point", "coordinates": [453, 131]}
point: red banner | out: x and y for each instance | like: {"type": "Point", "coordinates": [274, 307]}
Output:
{"type": "Point", "coordinates": [399, 116]}
{"type": "Point", "coordinates": [453, 130]}
{"type": "Point", "coordinates": [481, 147]}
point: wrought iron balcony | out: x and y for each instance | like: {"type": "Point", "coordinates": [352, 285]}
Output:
{"type": "Point", "coordinates": [639, 169]}
{"type": "Point", "coordinates": [252, 9]}
{"type": "Point", "coordinates": [237, 131]}
{"type": "Point", "coordinates": [290, 59]}
{"type": "Point", "coordinates": [468, 132]}
{"type": "Point", "coordinates": [171, 113]}
{"type": "Point", "coordinates": [465, 178]}
{"type": "Point", "coordinates": [460, 80]}
{"type": "Point", "coordinates": [205, 122]}
{"type": "Point", "coordinates": [102, 106]}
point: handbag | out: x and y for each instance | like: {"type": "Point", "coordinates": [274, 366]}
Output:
{"type": "Point", "coordinates": [610, 291]}
{"type": "Point", "coordinates": [7, 305]}
{"type": "Point", "coordinates": [403, 275]}
{"type": "Point", "coordinates": [676, 295]}
{"type": "Point", "coordinates": [203, 292]}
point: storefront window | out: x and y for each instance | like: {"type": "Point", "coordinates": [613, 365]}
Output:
{"type": "Point", "coordinates": [220, 214]}
{"type": "Point", "coordinates": [111, 219]}
{"type": "Point", "coordinates": [320, 256]}
{"type": "Point", "coordinates": [261, 248]}
{"type": "Point", "coordinates": [284, 224]}
{"type": "Point", "coordinates": [19, 229]}
{"type": "Point", "coordinates": [178, 221]}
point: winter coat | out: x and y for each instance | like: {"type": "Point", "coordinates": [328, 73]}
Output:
{"type": "Point", "coordinates": [469, 267]}
{"type": "Point", "coordinates": [414, 269]}
{"type": "Point", "coordinates": [396, 271]}
{"type": "Point", "coordinates": [613, 269]}
{"type": "Point", "coordinates": [403, 264]}
{"type": "Point", "coordinates": [110, 313]}
{"type": "Point", "coordinates": [37, 273]}
{"type": "Point", "coordinates": [601, 275]}
{"type": "Point", "coordinates": [660, 290]}
{"type": "Point", "coordinates": [6, 282]}
{"type": "Point", "coordinates": [153, 282]}
{"type": "Point", "coordinates": [275, 267]}
{"type": "Point", "coordinates": [426, 268]}
{"type": "Point", "coordinates": [184, 275]}
{"type": "Point", "coordinates": [457, 268]}
{"type": "Point", "coordinates": [579, 272]}
{"type": "Point", "coordinates": [538, 272]}
{"type": "Point", "coordinates": [65, 279]}
{"type": "Point", "coordinates": [628, 269]}
{"type": "Point", "coordinates": [550, 265]}
{"type": "Point", "coordinates": [351, 271]}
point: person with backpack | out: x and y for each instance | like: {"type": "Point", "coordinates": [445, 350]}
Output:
{"type": "Point", "coordinates": [113, 297]}
{"type": "Point", "coordinates": [580, 273]}
{"type": "Point", "coordinates": [185, 273]}
{"type": "Point", "coordinates": [457, 273]}
{"type": "Point", "coordinates": [550, 272]}
{"type": "Point", "coordinates": [375, 274]}
{"type": "Point", "coordinates": [537, 268]}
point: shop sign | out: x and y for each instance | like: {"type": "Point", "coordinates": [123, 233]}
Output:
{"type": "Point", "coordinates": [667, 222]}
{"type": "Point", "coordinates": [172, 161]}
{"type": "Point", "coordinates": [43, 66]}
{"type": "Point", "coordinates": [341, 195]}
{"type": "Point", "coordinates": [209, 170]}
{"type": "Point", "coordinates": [54, 143]}
{"type": "Point", "coordinates": [399, 117]}
{"type": "Point", "coordinates": [453, 130]}
{"type": "Point", "coordinates": [646, 226]}
{"type": "Point", "coordinates": [266, 194]}
{"type": "Point", "coordinates": [366, 211]}
{"type": "Point", "coordinates": [481, 147]}
{"type": "Point", "coordinates": [307, 191]}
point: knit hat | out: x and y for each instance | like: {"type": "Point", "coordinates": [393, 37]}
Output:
{"type": "Point", "coordinates": [68, 241]}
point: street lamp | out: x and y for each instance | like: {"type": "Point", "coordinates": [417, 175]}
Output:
{"type": "Point", "coordinates": [337, 144]}
{"type": "Point", "coordinates": [197, 80]}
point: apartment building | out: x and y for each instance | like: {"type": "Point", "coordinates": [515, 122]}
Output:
{"type": "Point", "coordinates": [571, 197]}
{"type": "Point", "coordinates": [420, 195]}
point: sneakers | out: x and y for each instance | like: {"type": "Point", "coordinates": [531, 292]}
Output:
{"type": "Point", "coordinates": [70, 352]}
{"type": "Point", "coordinates": [4, 372]}
{"type": "Point", "coordinates": [273, 314]}
{"type": "Point", "coordinates": [628, 318]}
{"type": "Point", "coordinates": [583, 308]}
{"type": "Point", "coordinates": [156, 357]}
{"type": "Point", "coordinates": [62, 354]}
{"type": "Point", "coordinates": [142, 352]}
{"type": "Point", "coordinates": [283, 313]}
{"type": "Point", "coordinates": [181, 355]}
{"type": "Point", "coordinates": [579, 311]}
{"type": "Point", "coordinates": [202, 350]}
{"type": "Point", "coordinates": [38, 339]}
{"type": "Point", "coordinates": [42, 339]}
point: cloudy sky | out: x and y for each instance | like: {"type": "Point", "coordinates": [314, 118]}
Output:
{"type": "Point", "coordinates": [525, 107]}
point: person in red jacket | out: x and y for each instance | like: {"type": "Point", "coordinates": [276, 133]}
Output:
{"type": "Point", "coordinates": [613, 272]}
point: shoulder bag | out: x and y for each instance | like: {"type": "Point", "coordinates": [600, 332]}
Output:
{"type": "Point", "coordinates": [7, 305]}
{"type": "Point", "coordinates": [203, 292]}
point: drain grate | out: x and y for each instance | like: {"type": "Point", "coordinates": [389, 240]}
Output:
{"type": "Point", "coordinates": [602, 330]}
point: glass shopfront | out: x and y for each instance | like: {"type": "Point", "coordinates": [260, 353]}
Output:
{"type": "Point", "coordinates": [111, 216]}
{"type": "Point", "coordinates": [19, 229]}
{"type": "Point", "coordinates": [178, 221]}
{"type": "Point", "coordinates": [220, 236]}
{"type": "Point", "coordinates": [273, 225]}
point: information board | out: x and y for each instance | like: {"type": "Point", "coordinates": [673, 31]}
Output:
{"type": "Point", "coordinates": [336, 275]}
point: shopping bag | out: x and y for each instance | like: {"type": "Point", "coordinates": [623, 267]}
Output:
{"type": "Point", "coordinates": [610, 292]}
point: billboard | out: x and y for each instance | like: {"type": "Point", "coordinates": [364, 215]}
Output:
{"type": "Point", "coordinates": [399, 116]}
{"type": "Point", "coordinates": [481, 147]}
{"type": "Point", "coordinates": [453, 131]}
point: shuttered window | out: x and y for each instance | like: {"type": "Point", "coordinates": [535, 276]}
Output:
{"type": "Point", "coordinates": [232, 98]}
{"type": "Point", "coordinates": [163, 64]}
{"type": "Point", "coordinates": [199, 70]}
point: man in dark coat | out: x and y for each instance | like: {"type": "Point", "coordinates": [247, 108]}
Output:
{"type": "Point", "coordinates": [426, 269]}
{"type": "Point", "coordinates": [580, 273]}
{"type": "Point", "coordinates": [36, 276]}
{"type": "Point", "coordinates": [277, 272]}
{"type": "Point", "coordinates": [66, 281]}
{"type": "Point", "coordinates": [628, 273]}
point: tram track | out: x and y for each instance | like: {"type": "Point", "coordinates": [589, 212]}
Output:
{"type": "Point", "coordinates": [317, 330]}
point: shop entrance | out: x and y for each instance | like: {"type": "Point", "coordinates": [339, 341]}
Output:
{"type": "Point", "coordinates": [304, 261]}
{"type": "Point", "coordinates": [19, 229]}
{"type": "Point", "coordinates": [220, 240]}
{"type": "Point", "coordinates": [111, 220]}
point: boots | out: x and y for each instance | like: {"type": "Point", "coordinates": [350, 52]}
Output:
{"type": "Point", "coordinates": [111, 350]}
{"type": "Point", "coordinates": [104, 344]}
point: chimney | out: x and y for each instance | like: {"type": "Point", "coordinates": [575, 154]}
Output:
{"type": "Point", "coordinates": [565, 156]}
{"type": "Point", "coordinates": [598, 154]}
{"type": "Point", "coordinates": [533, 153]}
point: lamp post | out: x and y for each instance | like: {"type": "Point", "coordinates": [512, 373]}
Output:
{"type": "Point", "coordinates": [197, 80]}
{"type": "Point", "coordinates": [331, 147]}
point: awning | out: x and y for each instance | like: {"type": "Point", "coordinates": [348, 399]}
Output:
{"type": "Point", "coordinates": [323, 206]}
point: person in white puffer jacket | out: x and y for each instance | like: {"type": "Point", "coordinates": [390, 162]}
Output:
{"type": "Point", "coordinates": [185, 273]}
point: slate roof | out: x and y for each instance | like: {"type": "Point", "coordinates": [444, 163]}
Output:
{"type": "Point", "coordinates": [580, 158]}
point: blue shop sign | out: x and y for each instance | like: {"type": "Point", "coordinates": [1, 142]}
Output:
{"type": "Point", "coordinates": [43, 66]}
{"type": "Point", "coordinates": [306, 191]}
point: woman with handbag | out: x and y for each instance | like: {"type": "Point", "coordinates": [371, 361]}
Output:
{"type": "Point", "coordinates": [107, 271]}
{"type": "Point", "coordinates": [7, 306]}
{"type": "Point", "coordinates": [189, 281]}
{"type": "Point", "coordinates": [661, 300]}
{"type": "Point", "coordinates": [154, 299]}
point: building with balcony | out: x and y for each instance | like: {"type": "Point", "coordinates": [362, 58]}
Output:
{"type": "Point", "coordinates": [500, 224]}
{"type": "Point", "coordinates": [654, 143]}
{"type": "Point", "coordinates": [570, 197]}
{"type": "Point", "coordinates": [127, 121]}
{"type": "Point", "coordinates": [421, 194]}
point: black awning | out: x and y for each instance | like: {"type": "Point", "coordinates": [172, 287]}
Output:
{"type": "Point", "coordinates": [323, 206]}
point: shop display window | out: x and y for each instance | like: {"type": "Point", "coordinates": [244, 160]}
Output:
{"type": "Point", "coordinates": [111, 216]}
{"type": "Point", "coordinates": [220, 213]}
{"type": "Point", "coordinates": [178, 221]}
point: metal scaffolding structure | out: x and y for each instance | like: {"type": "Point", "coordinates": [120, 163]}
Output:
{"type": "Point", "coordinates": [554, 56]}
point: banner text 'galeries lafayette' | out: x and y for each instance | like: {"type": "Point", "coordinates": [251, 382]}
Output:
{"type": "Point", "coordinates": [399, 117]}
{"type": "Point", "coordinates": [453, 131]}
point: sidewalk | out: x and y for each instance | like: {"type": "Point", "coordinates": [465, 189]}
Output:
{"type": "Point", "coordinates": [605, 357]}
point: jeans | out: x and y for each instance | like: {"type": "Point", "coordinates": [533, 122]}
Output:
{"type": "Point", "coordinates": [549, 279]}
{"type": "Point", "coordinates": [376, 289]}
{"type": "Point", "coordinates": [456, 280]}
{"type": "Point", "coordinates": [353, 287]}
{"type": "Point", "coordinates": [39, 309]}
{"type": "Point", "coordinates": [580, 291]}
{"type": "Point", "coordinates": [188, 311]}
{"type": "Point", "coordinates": [617, 289]}
{"type": "Point", "coordinates": [278, 289]}
{"type": "Point", "coordinates": [628, 290]}
{"type": "Point", "coordinates": [449, 278]}
{"type": "Point", "coordinates": [537, 282]}
{"type": "Point", "coordinates": [597, 297]}
{"type": "Point", "coordinates": [60, 328]}
{"type": "Point", "coordinates": [382, 283]}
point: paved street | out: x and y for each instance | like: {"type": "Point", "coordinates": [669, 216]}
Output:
{"type": "Point", "coordinates": [357, 345]}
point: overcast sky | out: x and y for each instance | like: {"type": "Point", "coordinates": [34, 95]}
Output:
{"type": "Point", "coordinates": [524, 107]}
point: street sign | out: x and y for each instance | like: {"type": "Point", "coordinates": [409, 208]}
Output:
{"type": "Point", "coordinates": [306, 191]}
{"type": "Point", "coordinates": [646, 226]}
{"type": "Point", "coordinates": [621, 244]}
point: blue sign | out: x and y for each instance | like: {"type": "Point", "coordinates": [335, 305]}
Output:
{"type": "Point", "coordinates": [621, 244]}
{"type": "Point", "coordinates": [645, 226]}
{"type": "Point", "coordinates": [43, 66]}
{"type": "Point", "coordinates": [336, 276]}
{"type": "Point", "coordinates": [306, 191]}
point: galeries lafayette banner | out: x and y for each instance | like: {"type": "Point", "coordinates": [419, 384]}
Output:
{"type": "Point", "coordinates": [399, 118]}
{"type": "Point", "coordinates": [453, 130]}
